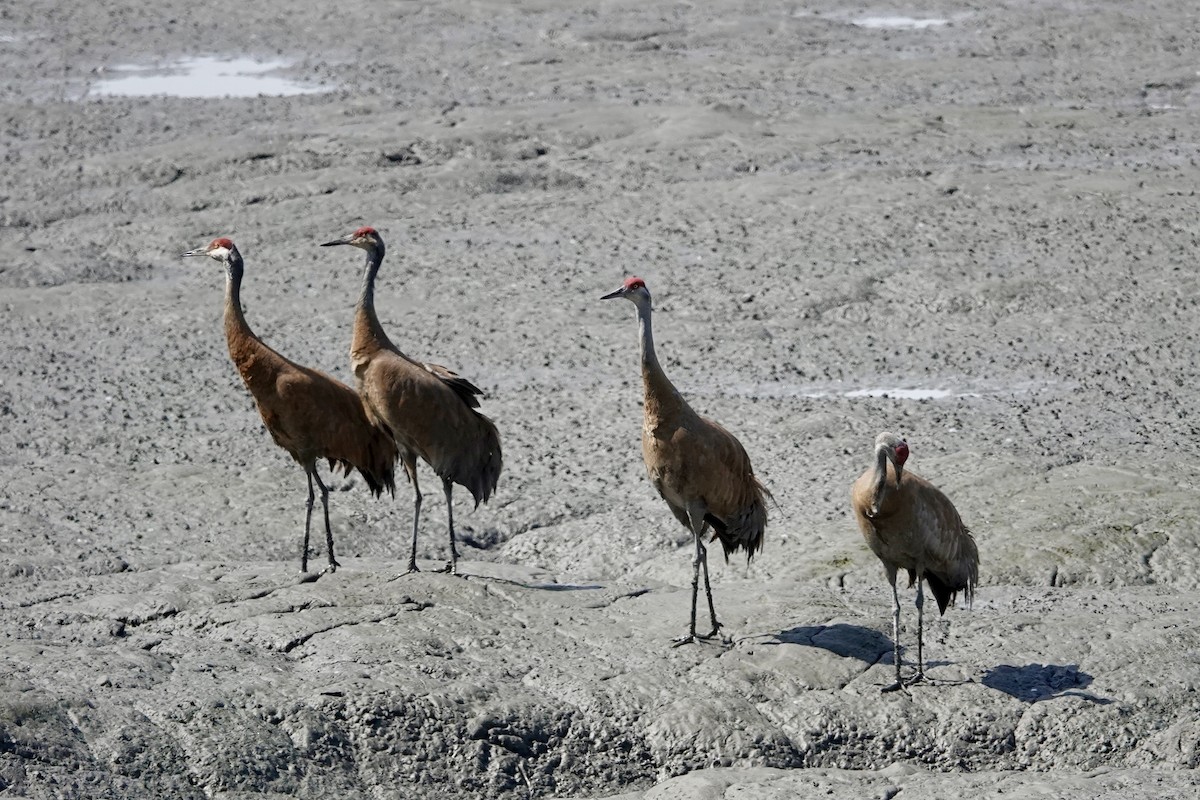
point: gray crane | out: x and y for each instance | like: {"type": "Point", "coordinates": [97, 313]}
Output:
{"type": "Point", "coordinates": [909, 524]}
{"type": "Point", "coordinates": [698, 467]}
{"type": "Point", "coordinates": [308, 413]}
{"type": "Point", "coordinates": [430, 411]}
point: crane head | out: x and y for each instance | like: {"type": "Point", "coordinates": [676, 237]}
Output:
{"type": "Point", "coordinates": [896, 450]}
{"type": "Point", "coordinates": [633, 289]}
{"type": "Point", "coordinates": [366, 238]}
{"type": "Point", "coordinates": [220, 249]}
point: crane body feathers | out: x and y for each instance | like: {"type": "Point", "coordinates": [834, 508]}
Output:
{"type": "Point", "coordinates": [312, 415]}
{"type": "Point", "coordinates": [424, 412]}
{"type": "Point", "coordinates": [692, 458]}
{"type": "Point", "coordinates": [689, 457]}
{"type": "Point", "coordinates": [916, 528]}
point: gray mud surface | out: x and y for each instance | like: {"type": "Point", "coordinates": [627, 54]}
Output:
{"type": "Point", "coordinates": [996, 214]}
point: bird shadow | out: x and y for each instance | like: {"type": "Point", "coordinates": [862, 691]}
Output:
{"type": "Point", "coordinates": [1033, 683]}
{"type": "Point", "coordinates": [847, 641]}
{"type": "Point", "coordinates": [546, 586]}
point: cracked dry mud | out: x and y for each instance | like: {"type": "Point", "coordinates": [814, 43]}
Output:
{"type": "Point", "coordinates": [995, 214]}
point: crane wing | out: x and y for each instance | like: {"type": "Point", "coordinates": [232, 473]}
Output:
{"type": "Point", "coordinates": [466, 391]}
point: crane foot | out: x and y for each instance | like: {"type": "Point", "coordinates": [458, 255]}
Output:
{"type": "Point", "coordinates": [412, 567]}
{"type": "Point", "coordinates": [449, 569]}
{"type": "Point", "coordinates": [902, 684]}
{"type": "Point", "coordinates": [695, 638]}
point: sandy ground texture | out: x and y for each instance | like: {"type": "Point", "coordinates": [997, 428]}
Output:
{"type": "Point", "coordinates": [989, 206]}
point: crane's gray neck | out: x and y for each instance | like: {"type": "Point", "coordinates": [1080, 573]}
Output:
{"type": "Point", "coordinates": [233, 287]}
{"type": "Point", "coordinates": [374, 261]}
{"type": "Point", "coordinates": [660, 394]}
{"type": "Point", "coordinates": [368, 332]}
{"type": "Point", "coordinates": [881, 463]}
{"type": "Point", "coordinates": [649, 359]}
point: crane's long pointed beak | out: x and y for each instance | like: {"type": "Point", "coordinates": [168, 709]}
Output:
{"type": "Point", "coordinates": [343, 240]}
{"type": "Point", "coordinates": [899, 472]}
{"type": "Point", "coordinates": [203, 251]}
{"type": "Point", "coordinates": [611, 295]}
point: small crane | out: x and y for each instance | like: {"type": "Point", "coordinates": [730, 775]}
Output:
{"type": "Point", "coordinates": [909, 524]}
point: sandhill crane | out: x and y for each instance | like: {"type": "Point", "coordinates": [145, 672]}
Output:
{"type": "Point", "coordinates": [429, 409]}
{"type": "Point", "coordinates": [698, 467]}
{"type": "Point", "coordinates": [911, 525]}
{"type": "Point", "coordinates": [308, 413]}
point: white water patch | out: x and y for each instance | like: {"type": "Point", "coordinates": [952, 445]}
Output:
{"type": "Point", "coordinates": [811, 392]}
{"type": "Point", "coordinates": [204, 76]}
{"type": "Point", "coordinates": [902, 394]}
{"type": "Point", "coordinates": [899, 23]}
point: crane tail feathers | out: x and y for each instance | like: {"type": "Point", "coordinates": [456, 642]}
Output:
{"type": "Point", "coordinates": [743, 530]}
{"type": "Point", "coordinates": [946, 588]}
{"type": "Point", "coordinates": [941, 592]}
{"type": "Point", "coordinates": [375, 459]}
{"type": "Point", "coordinates": [478, 468]}
{"type": "Point", "coordinates": [378, 482]}
{"type": "Point", "coordinates": [379, 476]}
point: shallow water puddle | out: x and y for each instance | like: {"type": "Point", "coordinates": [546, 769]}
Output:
{"type": "Point", "coordinates": [902, 394]}
{"type": "Point", "coordinates": [204, 76]}
{"type": "Point", "coordinates": [898, 22]}
{"type": "Point", "coordinates": [815, 393]}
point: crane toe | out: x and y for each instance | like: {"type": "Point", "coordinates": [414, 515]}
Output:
{"type": "Point", "coordinates": [412, 567]}
{"type": "Point", "coordinates": [697, 638]}
{"type": "Point", "coordinates": [915, 679]}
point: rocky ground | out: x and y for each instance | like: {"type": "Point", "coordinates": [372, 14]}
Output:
{"type": "Point", "coordinates": [974, 227]}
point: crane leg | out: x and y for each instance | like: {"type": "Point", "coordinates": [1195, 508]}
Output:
{"type": "Point", "coordinates": [920, 676]}
{"type": "Point", "coordinates": [451, 565]}
{"type": "Point", "coordinates": [308, 507]}
{"type": "Point", "coordinates": [712, 612]}
{"type": "Point", "coordinates": [895, 635]}
{"type": "Point", "coordinates": [333, 564]}
{"type": "Point", "coordinates": [697, 559]}
{"type": "Point", "coordinates": [411, 469]}
{"type": "Point", "coordinates": [699, 562]}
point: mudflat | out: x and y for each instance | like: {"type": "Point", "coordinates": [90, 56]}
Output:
{"type": "Point", "coordinates": [973, 225]}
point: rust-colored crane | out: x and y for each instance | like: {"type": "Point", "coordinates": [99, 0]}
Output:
{"type": "Point", "coordinates": [698, 467]}
{"type": "Point", "coordinates": [909, 524]}
{"type": "Point", "coordinates": [429, 409]}
{"type": "Point", "coordinates": [308, 413]}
